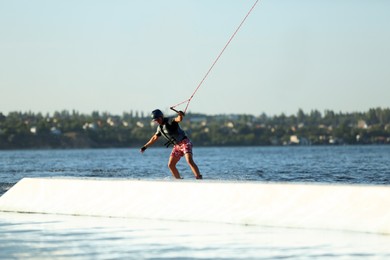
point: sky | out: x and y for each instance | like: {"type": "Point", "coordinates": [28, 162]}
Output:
{"type": "Point", "coordinates": [138, 55]}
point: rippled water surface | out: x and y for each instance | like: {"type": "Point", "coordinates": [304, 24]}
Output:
{"type": "Point", "coordinates": [35, 236]}
{"type": "Point", "coordinates": [331, 164]}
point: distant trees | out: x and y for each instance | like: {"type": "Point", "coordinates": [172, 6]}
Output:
{"type": "Point", "coordinates": [65, 129]}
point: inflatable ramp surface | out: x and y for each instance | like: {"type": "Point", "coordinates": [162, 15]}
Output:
{"type": "Point", "coordinates": [337, 207]}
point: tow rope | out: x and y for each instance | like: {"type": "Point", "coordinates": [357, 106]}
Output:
{"type": "Point", "coordinates": [213, 64]}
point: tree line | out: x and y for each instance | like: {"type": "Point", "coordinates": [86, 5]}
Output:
{"type": "Point", "coordinates": [71, 129]}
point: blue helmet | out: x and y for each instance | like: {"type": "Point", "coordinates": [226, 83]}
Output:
{"type": "Point", "coordinates": [156, 114]}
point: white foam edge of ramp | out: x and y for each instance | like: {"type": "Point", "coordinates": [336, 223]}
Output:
{"type": "Point", "coordinates": [319, 206]}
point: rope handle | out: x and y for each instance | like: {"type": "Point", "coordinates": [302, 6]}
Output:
{"type": "Point", "coordinates": [172, 108]}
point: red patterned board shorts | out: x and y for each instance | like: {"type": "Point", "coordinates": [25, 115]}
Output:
{"type": "Point", "coordinates": [180, 149]}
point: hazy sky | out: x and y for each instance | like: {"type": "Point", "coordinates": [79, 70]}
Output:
{"type": "Point", "coordinates": [122, 55]}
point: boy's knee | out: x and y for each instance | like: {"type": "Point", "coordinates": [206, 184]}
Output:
{"type": "Point", "coordinates": [171, 165]}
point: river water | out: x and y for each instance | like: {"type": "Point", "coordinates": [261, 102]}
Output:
{"type": "Point", "coordinates": [35, 236]}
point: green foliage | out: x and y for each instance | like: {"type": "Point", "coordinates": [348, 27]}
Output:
{"type": "Point", "coordinates": [66, 129]}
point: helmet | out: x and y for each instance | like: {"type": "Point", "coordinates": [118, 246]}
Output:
{"type": "Point", "coordinates": [156, 114]}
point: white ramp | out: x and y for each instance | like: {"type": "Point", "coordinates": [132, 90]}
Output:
{"type": "Point", "coordinates": [337, 207]}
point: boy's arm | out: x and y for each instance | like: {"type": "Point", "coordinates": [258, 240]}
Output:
{"type": "Point", "coordinates": [149, 143]}
{"type": "Point", "coordinates": [180, 116]}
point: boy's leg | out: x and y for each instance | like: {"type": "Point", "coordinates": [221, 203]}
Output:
{"type": "Point", "coordinates": [193, 165]}
{"type": "Point", "coordinates": [172, 166]}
